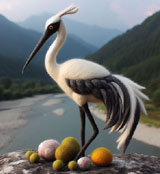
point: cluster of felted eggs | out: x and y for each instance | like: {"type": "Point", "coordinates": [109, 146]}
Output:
{"type": "Point", "coordinates": [65, 153]}
{"type": "Point", "coordinates": [62, 154]}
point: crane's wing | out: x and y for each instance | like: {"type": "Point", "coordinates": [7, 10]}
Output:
{"type": "Point", "coordinates": [117, 102]}
{"type": "Point", "coordinates": [122, 99]}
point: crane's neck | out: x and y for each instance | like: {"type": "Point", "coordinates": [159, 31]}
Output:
{"type": "Point", "coordinates": [51, 64]}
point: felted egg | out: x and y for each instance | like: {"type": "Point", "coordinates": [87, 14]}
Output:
{"type": "Point", "coordinates": [34, 158]}
{"type": "Point", "coordinates": [84, 163]}
{"type": "Point", "coordinates": [47, 149]}
{"type": "Point", "coordinates": [65, 153]}
{"type": "Point", "coordinates": [58, 165]}
{"type": "Point", "coordinates": [101, 156]}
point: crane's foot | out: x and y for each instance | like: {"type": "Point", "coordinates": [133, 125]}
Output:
{"type": "Point", "coordinates": [65, 168]}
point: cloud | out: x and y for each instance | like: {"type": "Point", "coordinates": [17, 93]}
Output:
{"type": "Point", "coordinates": [5, 6]}
{"type": "Point", "coordinates": [134, 12]}
{"type": "Point", "coordinates": [107, 13]}
{"type": "Point", "coordinates": [152, 9]}
{"type": "Point", "coordinates": [20, 9]}
{"type": "Point", "coordinates": [8, 4]}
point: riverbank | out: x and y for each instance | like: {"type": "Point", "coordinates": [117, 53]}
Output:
{"type": "Point", "coordinates": [149, 135]}
{"type": "Point", "coordinates": [13, 115]}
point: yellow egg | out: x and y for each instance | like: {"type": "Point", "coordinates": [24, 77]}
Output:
{"type": "Point", "coordinates": [28, 154]}
{"type": "Point", "coordinates": [71, 141]}
{"type": "Point", "coordinates": [65, 153]}
{"type": "Point", "coordinates": [58, 165]}
{"type": "Point", "coordinates": [72, 165]}
{"type": "Point", "coordinates": [34, 158]}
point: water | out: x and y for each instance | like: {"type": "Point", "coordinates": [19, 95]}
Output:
{"type": "Point", "coordinates": [43, 124]}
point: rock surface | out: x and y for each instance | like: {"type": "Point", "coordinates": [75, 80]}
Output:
{"type": "Point", "coordinates": [15, 163]}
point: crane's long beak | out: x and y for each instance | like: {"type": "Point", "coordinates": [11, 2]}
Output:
{"type": "Point", "coordinates": [42, 40]}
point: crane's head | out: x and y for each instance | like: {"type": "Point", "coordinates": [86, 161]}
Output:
{"type": "Point", "coordinates": [51, 27]}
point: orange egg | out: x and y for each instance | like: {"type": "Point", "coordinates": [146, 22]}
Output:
{"type": "Point", "coordinates": [101, 156]}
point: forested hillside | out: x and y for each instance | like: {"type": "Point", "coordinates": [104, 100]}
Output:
{"type": "Point", "coordinates": [136, 54]}
{"type": "Point", "coordinates": [18, 88]}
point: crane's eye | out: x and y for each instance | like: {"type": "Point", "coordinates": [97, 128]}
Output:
{"type": "Point", "coordinates": [51, 27]}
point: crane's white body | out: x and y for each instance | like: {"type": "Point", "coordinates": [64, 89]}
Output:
{"type": "Point", "coordinates": [72, 69]}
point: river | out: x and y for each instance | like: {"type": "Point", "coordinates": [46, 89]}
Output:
{"type": "Point", "coordinates": [44, 124]}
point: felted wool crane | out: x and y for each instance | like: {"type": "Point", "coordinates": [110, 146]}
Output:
{"type": "Point", "coordinates": [85, 81]}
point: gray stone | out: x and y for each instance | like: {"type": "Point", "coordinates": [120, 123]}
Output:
{"type": "Point", "coordinates": [15, 163]}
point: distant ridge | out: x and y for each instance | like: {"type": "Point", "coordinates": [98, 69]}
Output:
{"type": "Point", "coordinates": [95, 35]}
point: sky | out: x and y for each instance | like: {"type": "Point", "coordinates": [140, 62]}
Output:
{"type": "Point", "coordinates": [120, 14]}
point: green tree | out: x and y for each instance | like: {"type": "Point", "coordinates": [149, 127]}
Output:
{"type": "Point", "coordinates": [156, 98]}
{"type": "Point", "coordinates": [8, 94]}
{"type": "Point", "coordinates": [6, 82]}
{"type": "Point", "coordinates": [28, 84]}
{"type": "Point", "coordinates": [1, 92]}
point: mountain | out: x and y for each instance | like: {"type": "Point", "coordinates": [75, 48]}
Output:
{"type": "Point", "coordinates": [16, 43]}
{"type": "Point", "coordinates": [135, 54]}
{"type": "Point", "coordinates": [92, 34]}
{"type": "Point", "coordinates": [137, 47]}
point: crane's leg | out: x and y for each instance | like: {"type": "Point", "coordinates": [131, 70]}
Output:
{"type": "Point", "coordinates": [95, 129]}
{"type": "Point", "coordinates": [83, 122]}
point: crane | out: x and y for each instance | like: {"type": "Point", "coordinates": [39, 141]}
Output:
{"type": "Point", "coordinates": [88, 82]}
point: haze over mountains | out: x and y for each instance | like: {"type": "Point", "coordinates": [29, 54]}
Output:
{"type": "Point", "coordinates": [93, 35]}
{"type": "Point", "coordinates": [16, 43]}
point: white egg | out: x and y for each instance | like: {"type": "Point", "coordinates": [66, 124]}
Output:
{"type": "Point", "coordinates": [47, 149]}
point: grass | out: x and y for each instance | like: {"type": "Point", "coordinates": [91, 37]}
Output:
{"type": "Point", "coordinates": [151, 119]}
{"type": "Point", "coordinates": [100, 106]}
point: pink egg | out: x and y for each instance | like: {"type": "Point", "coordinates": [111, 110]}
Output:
{"type": "Point", "coordinates": [84, 163]}
{"type": "Point", "coordinates": [47, 149]}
